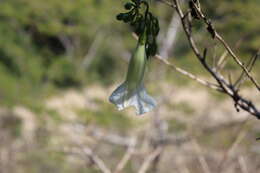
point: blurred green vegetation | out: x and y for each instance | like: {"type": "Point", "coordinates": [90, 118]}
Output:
{"type": "Point", "coordinates": [52, 45]}
{"type": "Point", "coordinates": [44, 44]}
{"type": "Point", "coordinates": [106, 116]}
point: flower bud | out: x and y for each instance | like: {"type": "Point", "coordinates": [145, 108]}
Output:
{"type": "Point", "coordinates": [128, 6]}
{"type": "Point", "coordinates": [120, 16]}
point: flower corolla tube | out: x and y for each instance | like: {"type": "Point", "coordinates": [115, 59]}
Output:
{"type": "Point", "coordinates": [132, 92]}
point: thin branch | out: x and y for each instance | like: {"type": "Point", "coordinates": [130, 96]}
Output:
{"type": "Point", "coordinates": [130, 150]}
{"type": "Point", "coordinates": [242, 164]}
{"type": "Point", "coordinates": [184, 72]}
{"type": "Point", "coordinates": [237, 140]}
{"type": "Point", "coordinates": [111, 138]}
{"type": "Point", "coordinates": [250, 66]}
{"type": "Point", "coordinates": [100, 164]}
{"type": "Point", "coordinates": [223, 84]}
{"type": "Point", "coordinates": [216, 35]}
{"type": "Point", "coordinates": [201, 158]}
{"type": "Point", "coordinates": [170, 37]}
{"type": "Point", "coordinates": [67, 44]}
{"type": "Point", "coordinates": [223, 58]}
{"type": "Point", "coordinates": [167, 3]}
{"type": "Point", "coordinates": [227, 88]}
{"type": "Point", "coordinates": [87, 152]}
{"type": "Point", "coordinates": [238, 61]}
{"type": "Point", "coordinates": [188, 74]}
{"type": "Point", "coordinates": [149, 159]}
{"type": "Point", "coordinates": [89, 57]}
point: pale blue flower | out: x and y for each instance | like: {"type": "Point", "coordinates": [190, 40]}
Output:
{"type": "Point", "coordinates": [132, 91]}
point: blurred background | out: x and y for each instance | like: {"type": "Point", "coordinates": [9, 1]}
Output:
{"type": "Point", "coordinates": [59, 62]}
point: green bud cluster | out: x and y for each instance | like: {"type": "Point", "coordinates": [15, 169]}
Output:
{"type": "Point", "coordinates": [142, 22]}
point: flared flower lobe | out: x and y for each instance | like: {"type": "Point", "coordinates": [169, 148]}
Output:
{"type": "Point", "coordinates": [132, 91]}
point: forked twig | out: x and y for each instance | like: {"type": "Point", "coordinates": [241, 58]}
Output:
{"type": "Point", "coordinates": [225, 86]}
{"type": "Point", "coordinates": [149, 159]}
{"type": "Point", "coordinates": [216, 35]}
{"type": "Point", "coordinates": [127, 156]}
{"type": "Point", "coordinates": [185, 73]}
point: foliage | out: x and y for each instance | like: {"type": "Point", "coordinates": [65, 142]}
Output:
{"type": "Point", "coordinates": [145, 24]}
{"type": "Point", "coordinates": [44, 43]}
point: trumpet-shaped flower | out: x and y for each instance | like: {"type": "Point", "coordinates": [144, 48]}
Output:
{"type": "Point", "coordinates": [132, 91]}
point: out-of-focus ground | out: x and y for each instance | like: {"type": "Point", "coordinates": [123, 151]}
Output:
{"type": "Point", "coordinates": [60, 61]}
{"type": "Point", "coordinates": [202, 133]}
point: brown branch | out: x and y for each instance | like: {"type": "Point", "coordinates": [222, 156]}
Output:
{"type": "Point", "coordinates": [226, 87]}
{"type": "Point", "coordinates": [238, 61]}
{"type": "Point", "coordinates": [201, 158]}
{"type": "Point", "coordinates": [111, 138]}
{"type": "Point", "coordinates": [242, 164]}
{"type": "Point", "coordinates": [101, 165]}
{"type": "Point", "coordinates": [250, 66]}
{"type": "Point", "coordinates": [216, 35]}
{"type": "Point", "coordinates": [223, 58]}
{"type": "Point", "coordinates": [87, 152]}
{"type": "Point", "coordinates": [184, 72]}
{"type": "Point", "coordinates": [130, 150]}
{"type": "Point", "coordinates": [149, 159]}
{"type": "Point", "coordinates": [241, 134]}
{"type": "Point", "coordinates": [167, 3]}
{"type": "Point", "coordinates": [188, 74]}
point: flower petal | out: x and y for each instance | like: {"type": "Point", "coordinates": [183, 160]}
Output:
{"type": "Point", "coordinates": [139, 99]}
{"type": "Point", "coordinates": [142, 101]}
{"type": "Point", "coordinates": [118, 96]}
{"type": "Point", "coordinates": [132, 91]}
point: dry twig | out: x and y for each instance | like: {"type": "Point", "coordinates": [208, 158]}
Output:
{"type": "Point", "coordinates": [225, 86]}
{"type": "Point", "coordinates": [130, 150]}
{"type": "Point", "coordinates": [149, 159]}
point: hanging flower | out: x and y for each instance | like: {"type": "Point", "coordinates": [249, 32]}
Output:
{"type": "Point", "coordinates": [132, 91]}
